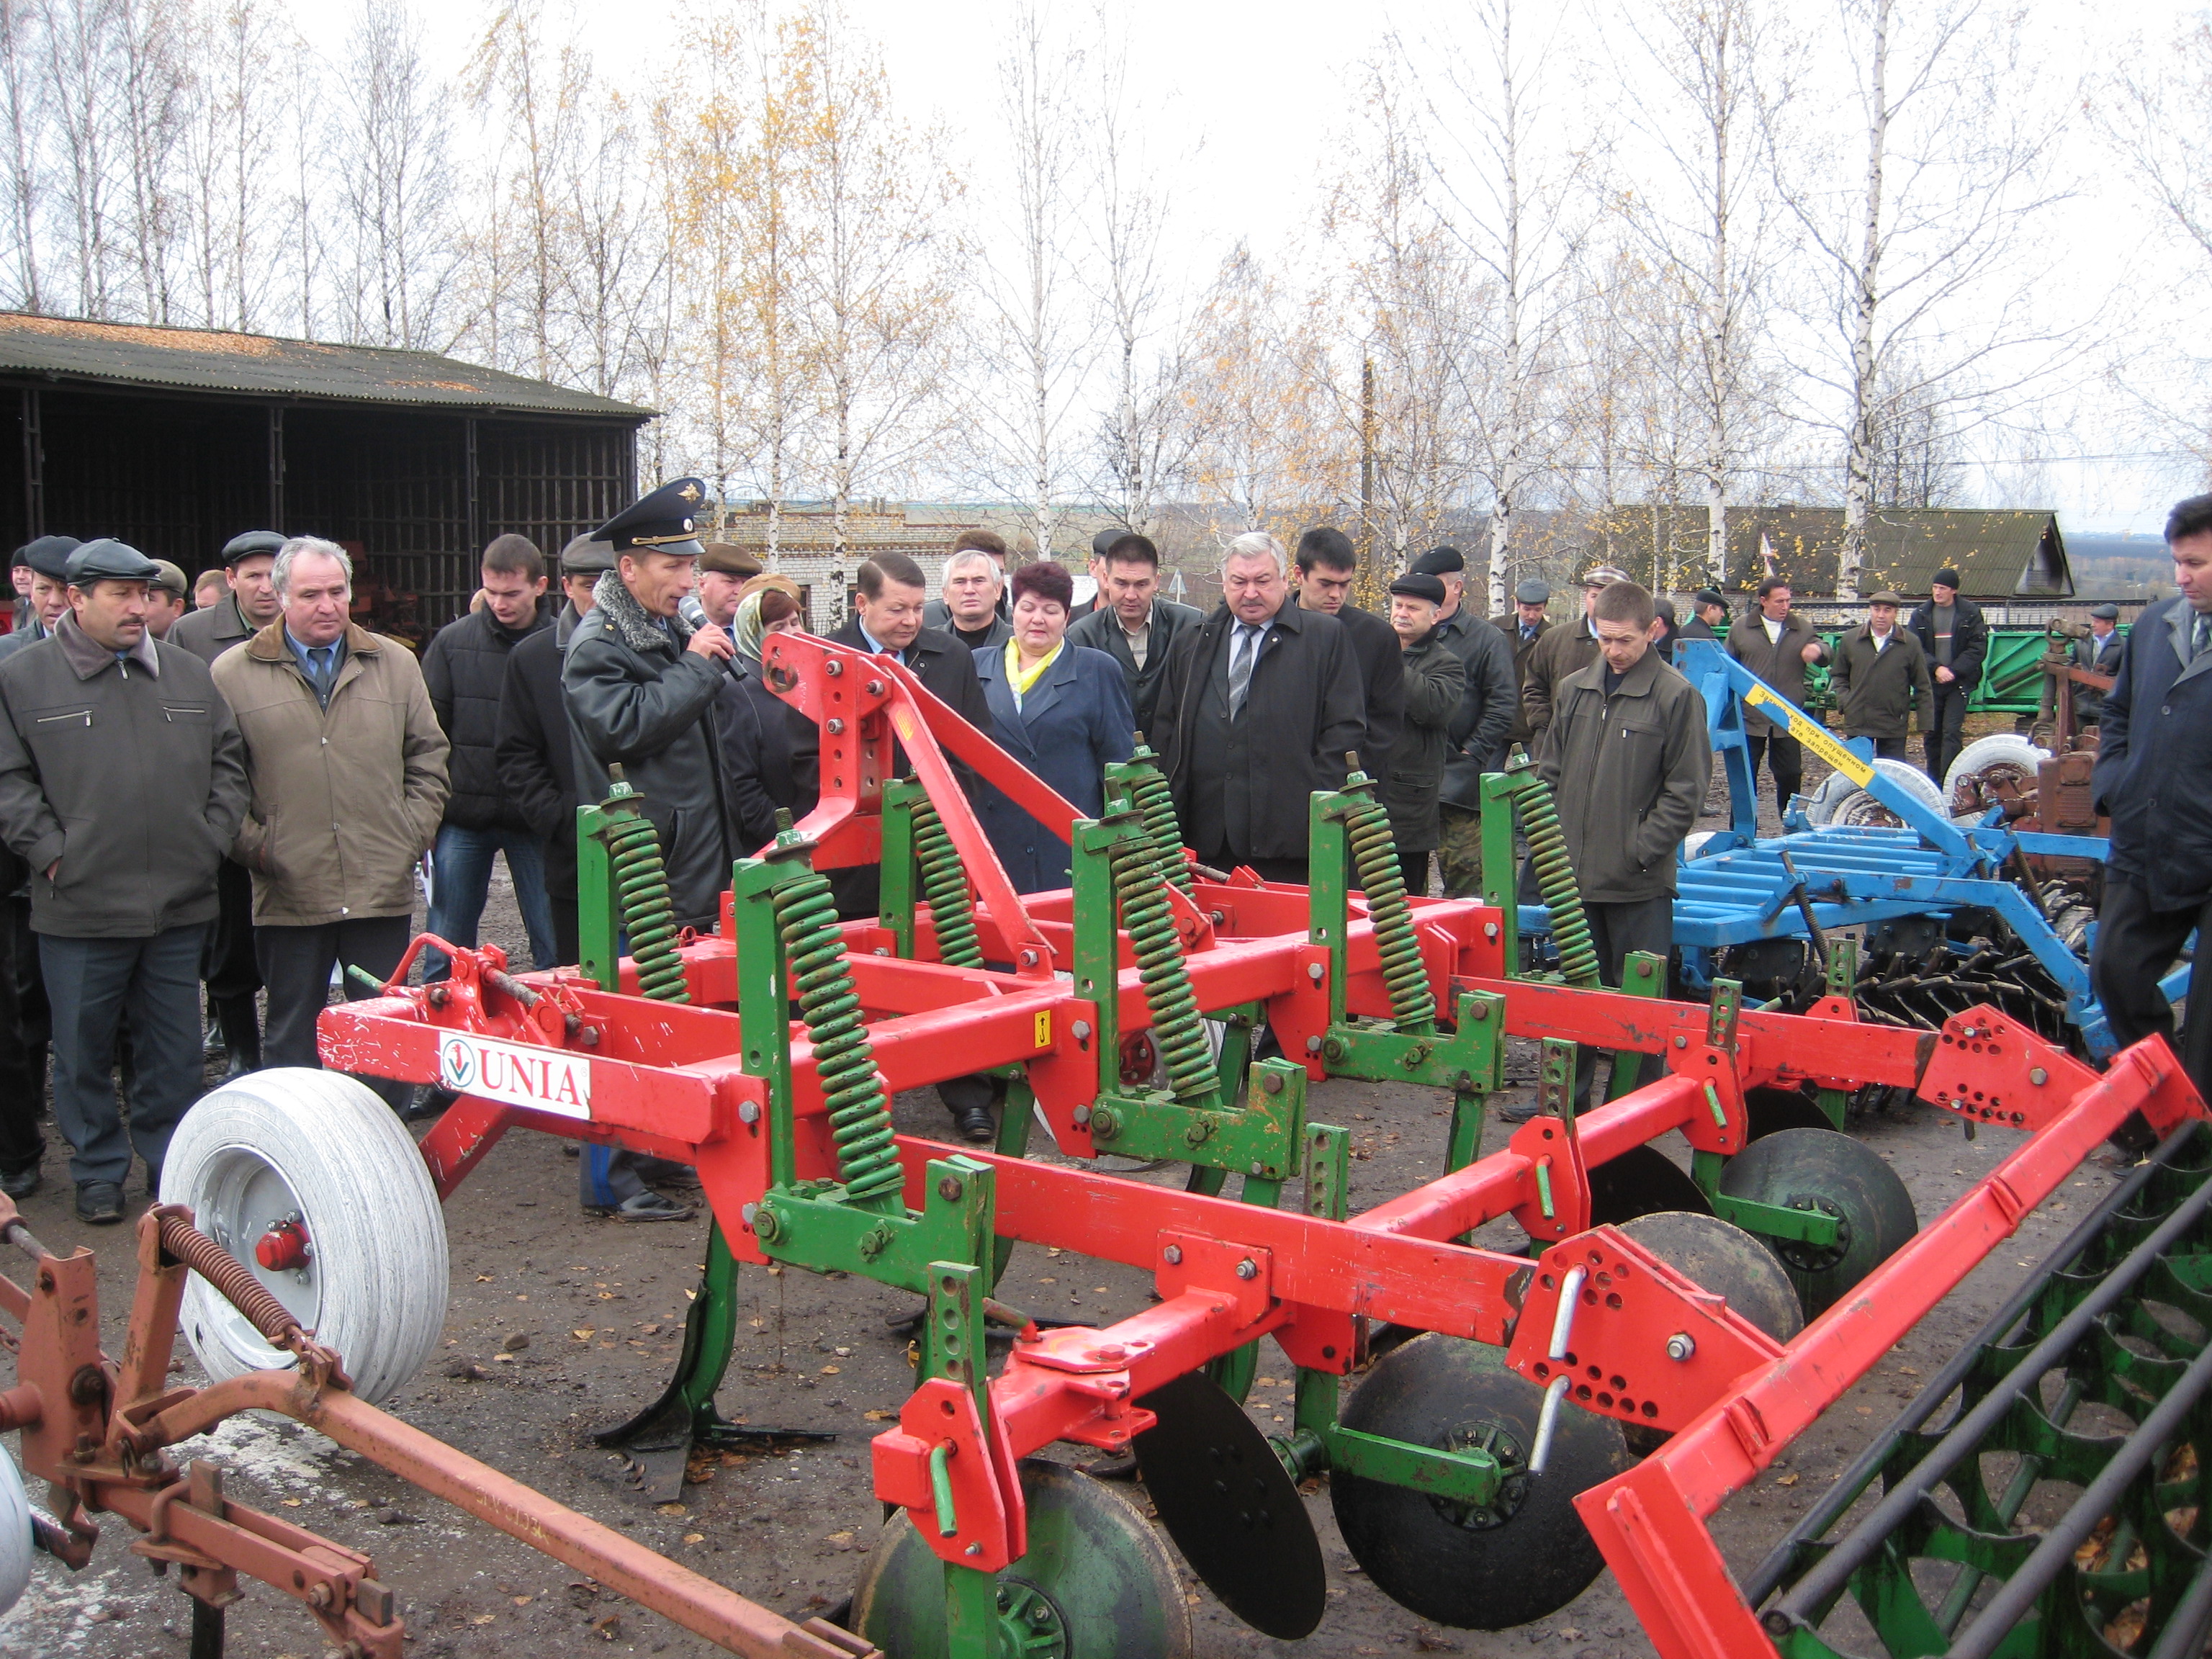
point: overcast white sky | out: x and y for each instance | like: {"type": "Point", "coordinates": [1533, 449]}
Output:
{"type": "Point", "coordinates": [1251, 98]}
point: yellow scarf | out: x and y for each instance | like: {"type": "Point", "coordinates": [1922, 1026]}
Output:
{"type": "Point", "coordinates": [1022, 679]}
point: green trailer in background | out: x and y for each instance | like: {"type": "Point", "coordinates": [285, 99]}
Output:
{"type": "Point", "coordinates": [2012, 674]}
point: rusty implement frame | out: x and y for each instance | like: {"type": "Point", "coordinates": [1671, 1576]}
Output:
{"type": "Point", "coordinates": [727, 1082]}
{"type": "Point", "coordinates": [99, 1431]}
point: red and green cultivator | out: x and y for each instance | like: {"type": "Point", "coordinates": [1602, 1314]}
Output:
{"type": "Point", "coordinates": [1500, 1411]}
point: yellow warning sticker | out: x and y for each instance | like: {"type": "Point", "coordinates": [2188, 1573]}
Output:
{"type": "Point", "coordinates": [1814, 735]}
{"type": "Point", "coordinates": [1044, 1029]}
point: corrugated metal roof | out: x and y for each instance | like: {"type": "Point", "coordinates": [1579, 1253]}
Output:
{"type": "Point", "coordinates": [260, 365]}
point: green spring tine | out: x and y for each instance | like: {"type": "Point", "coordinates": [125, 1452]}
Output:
{"type": "Point", "coordinates": [1555, 877]}
{"type": "Point", "coordinates": [1178, 1027]}
{"type": "Point", "coordinates": [940, 1489]}
{"type": "Point", "coordinates": [945, 885]}
{"type": "Point", "coordinates": [639, 882]}
{"type": "Point", "coordinates": [1412, 1004]}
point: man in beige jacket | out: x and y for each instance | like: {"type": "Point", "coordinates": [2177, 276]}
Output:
{"type": "Point", "coordinates": [348, 765]}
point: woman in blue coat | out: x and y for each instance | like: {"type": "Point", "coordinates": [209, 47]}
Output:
{"type": "Point", "coordinates": [1062, 711]}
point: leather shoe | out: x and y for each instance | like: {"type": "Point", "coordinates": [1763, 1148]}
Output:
{"type": "Point", "coordinates": [211, 1038]}
{"type": "Point", "coordinates": [648, 1205]}
{"type": "Point", "coordinates": [976, 1125]}
{"type": "Point", "coordinates": [662, 1171]}
{"type": "Point", "coordinates": [428, 1104]}
{"type": "Point", "coordinates": [1519, 1112]}
{"type": "Point", "coordinates": [99, 1203]}
{"type": "Point", "coordinates": [242, 1060]}
{"type": "Point", "coordinates": [21, 1183]}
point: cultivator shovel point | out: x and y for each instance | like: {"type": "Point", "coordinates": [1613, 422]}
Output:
{"type": "Point", "coordinates": [1482, 1467]}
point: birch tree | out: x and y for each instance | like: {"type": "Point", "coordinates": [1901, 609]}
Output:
{"type": "Point", "coordinates": [1034, 336]}
{"type": "Point", "coordinates": [1713, 222]}
{"type": "Point", "coordinates": [1514, 177]}
{"type": "Point", "coordinates": [79, 40]}
{"type": "Point", "coordinates": [22, 125]}
{"type": "Point", "coordinates": [876, 281]}
{"type": "Point", "coordinates": [1924, 242]}
{"type": "Point", "coordinates": [396, 186]}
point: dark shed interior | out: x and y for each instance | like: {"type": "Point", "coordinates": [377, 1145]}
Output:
{"type": "Point", "coordinates": [175, 440]}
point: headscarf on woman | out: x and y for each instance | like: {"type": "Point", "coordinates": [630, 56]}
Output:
{"type": "Point", "coordinates": [748, 627]}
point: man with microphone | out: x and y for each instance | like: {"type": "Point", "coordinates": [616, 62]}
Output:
{"type": "Point", "coordinates": [641, 680]}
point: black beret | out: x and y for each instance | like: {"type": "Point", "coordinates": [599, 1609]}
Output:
{"type": "Point", "coordinates": [2105, 612]}
{"type": "Point", "coordinates": [1947, 577]}
{"type": "Point", "coordinates": [1532, 592]}
{"type": "Point", "coordinates": [1440, 561]}
{"type": "Point", "coordinates": [251, 543]}
{"type": "Point", "coordinates": [49, 556]}
{"type": "Point", "coordinates": [665, 520]}
{"type": "Point", "coordinates": [1710, 596]}
{"type": "Point", "coordinates": [1419, 585]}
{"type": "Point", "coordinates": [108, 560]}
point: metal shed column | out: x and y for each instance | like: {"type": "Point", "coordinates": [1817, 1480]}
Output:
{"type": "Point", "coordinates": [34, 469]}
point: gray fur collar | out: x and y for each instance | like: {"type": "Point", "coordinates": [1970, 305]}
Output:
{"type": "Point", "coordinates": [627, 618]}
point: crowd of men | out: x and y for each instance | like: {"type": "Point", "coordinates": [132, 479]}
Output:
{"type": "Point", "coordinates": [232, 784]}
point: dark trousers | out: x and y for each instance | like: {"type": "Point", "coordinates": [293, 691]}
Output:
{"type": "Point", "coordinates": [1884, 748]}
{"type": "Point", "coordinates": [21, 1090]}
{"type": "Point", "coordinates": [1413, 866]}
{"type": "Point", "coordinates": [1221, 859]}
{"type": "Point", "coordinates": [1945, 725]}
{"type": "Point", "coordinates": [92, 983]}
{"type": "Point", "coordinates": [560, 896]}
{"type": "Point", "coordinates": [232, 974]}
{"type": "Point", "coordinates": [33, 1016]}
{"type": "Point", "coordinates": [296, 964]}
{"type": "Point", "coordinates": [1785, 758]}
{"type": "Point", "coordinates": [1616, 930]}
{"type": "Point", "coordinates": [2135, 946]}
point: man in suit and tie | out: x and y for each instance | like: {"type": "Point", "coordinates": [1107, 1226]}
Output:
{"type": "Point", "coordinates": [1260, 703]}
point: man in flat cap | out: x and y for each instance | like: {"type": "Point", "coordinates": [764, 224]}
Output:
{"type": "Point", "coordinates": [348, 765]}
{"type": "Point", "coordinates": [168, 597]}
{"type": "Point", "coordinates": [249, 560]}
{"type": "Point", "coordinates": [1562, 652]}
{"type": "Point", "coordinates": [1708, 615]}
{"type": "Point", "coordinates": [1490, 704]}
{"type": "Point", "coordinates": [48, 558]}
{"type": "Point", "coordinates": [465, 669]}
{"type": "Point", "coordinates": [122, 784]}
{"type": "Point", "coordinates": [233, 973]}
{"type": "Point", "coordinates": [1878, 677]}
{"type": "Point", "coordinates": [1955, 636]}
{"type": "Point", "coordinates": [2099, 653]}
{"type": "Point", "coordinates": [534, 750]}
{"type": "Point", "coordinates": [1777, 645]}
{"type": "Point", "coordinates": [1435, 677]}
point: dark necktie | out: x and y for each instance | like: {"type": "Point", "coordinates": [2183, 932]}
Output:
{"type": "Point", "coordinates": [2200, 636]}
{"type": "Point", "coordinates": [1241, 657]}
{"type": "Point", "coordinates": [319, 671]}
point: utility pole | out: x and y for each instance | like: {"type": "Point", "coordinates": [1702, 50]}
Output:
{"type": "Point", "coordinates": [1367, 478]}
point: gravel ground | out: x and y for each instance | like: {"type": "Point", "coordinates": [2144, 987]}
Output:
{"type": "Point", "coordinates": [560, 1324]}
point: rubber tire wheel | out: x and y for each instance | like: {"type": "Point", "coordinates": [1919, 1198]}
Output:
{"type": "Point", "coordinates": [1078, 1533]}
{"type": "Point", "coordinates": [1999, 749]}
{"type": "Point", "coordinates": [1441, 1391]}
{"type": "Point", "coordinates": [15, 1534]}
{"type": "Point", "coordinates": [377, 1288]}
{"type": "Point", "coordinates": [1822, 1168]}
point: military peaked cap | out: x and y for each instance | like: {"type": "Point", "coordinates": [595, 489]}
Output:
{"type": "Point", "coordinates": [109, 560]}
{"type": "Point", "coordinates": [251, 543]}
{"type": "Point", "coordinates": [665, 521]}
{"type": "Point", "coordinates": [49, 556]}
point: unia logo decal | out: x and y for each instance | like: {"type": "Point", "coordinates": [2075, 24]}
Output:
{"type": "Point", "coordinates": [516, 1074]}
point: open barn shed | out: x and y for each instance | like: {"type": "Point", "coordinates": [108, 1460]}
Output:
{"type": "Point", "coordinates": [175, 440]}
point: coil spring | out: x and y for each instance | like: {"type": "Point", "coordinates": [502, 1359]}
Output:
{"type": "Point", "coordinates": [1177, 1028]}
{"type": "Point", "coordinates": [822, 984]}
{"type": "Point", "coordinates": [1555, 878]}
{"type": "Point", "coordinates": [945, 886]}
{"type": "Point", "coordinates": [233, 1280]}
{"type": "Point", "coordinates": [1375, 856]}
{"type": "Point", "coordinates": [1155, 803]}
{"type": "Point", "coordinates": [648, 914]}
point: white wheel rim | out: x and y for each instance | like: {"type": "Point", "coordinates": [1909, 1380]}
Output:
{"type": "Point", "coordinates": [245, 1196]}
